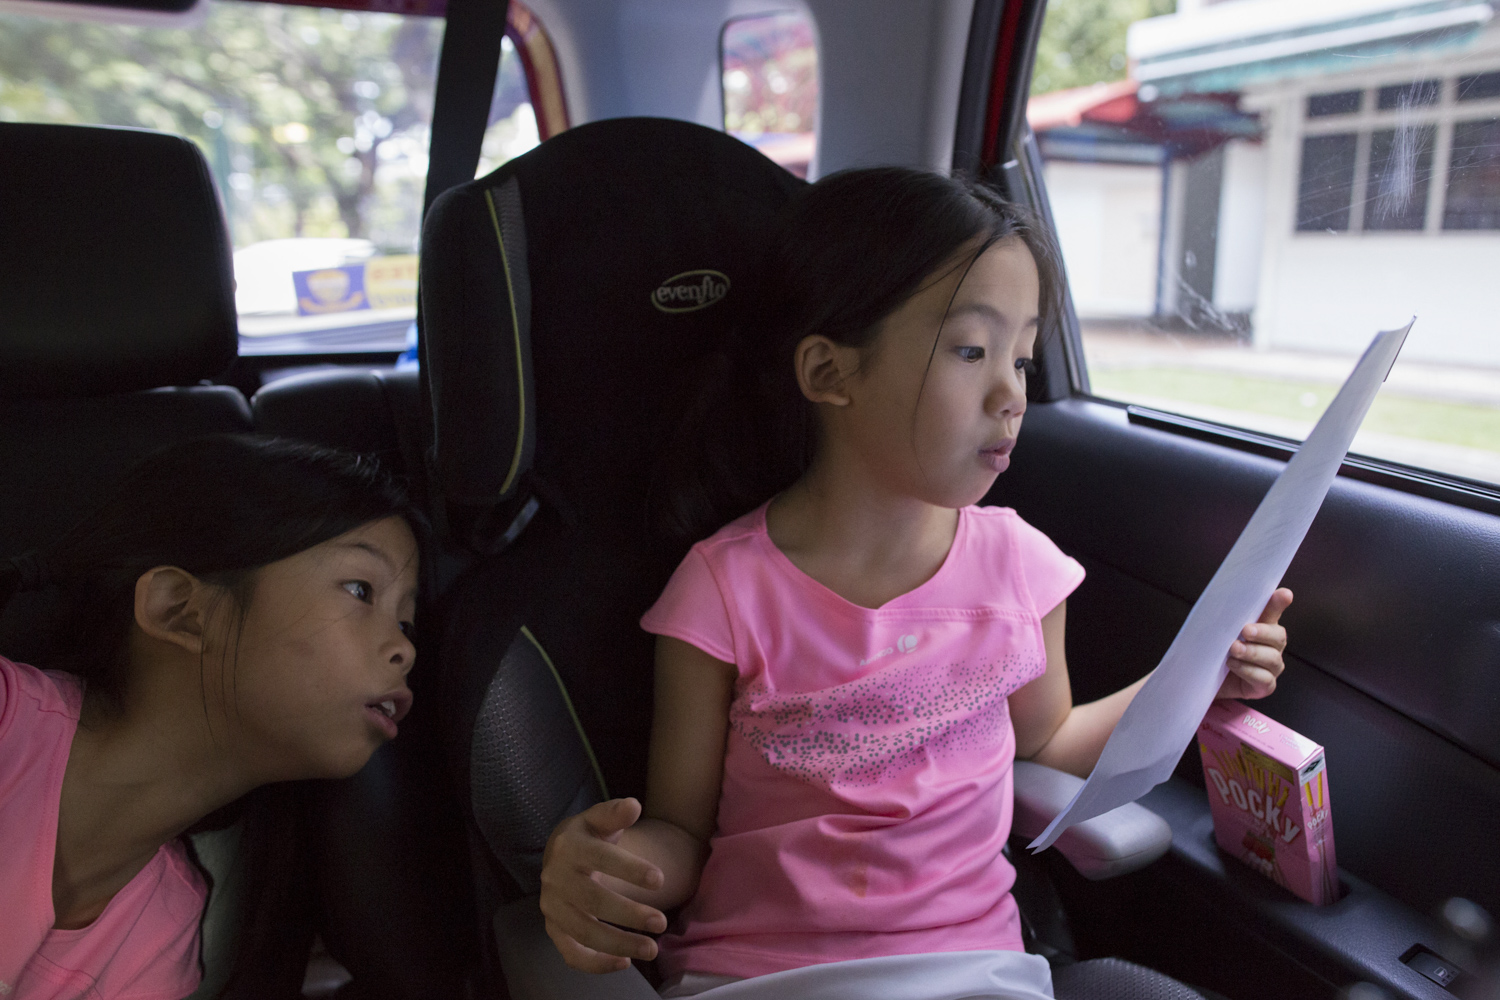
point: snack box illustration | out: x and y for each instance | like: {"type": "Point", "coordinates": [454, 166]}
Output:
{"type": "Point", "coordinates": [1268, 788]}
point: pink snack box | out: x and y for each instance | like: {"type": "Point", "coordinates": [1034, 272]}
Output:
{"type": "Point", "coordinates": [1268, 788]}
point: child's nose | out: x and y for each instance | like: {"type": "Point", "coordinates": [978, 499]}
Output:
{"type": "Point", "coordinates": [404, 654]}
{"type": "Point", "coordinates": [1007, 397]}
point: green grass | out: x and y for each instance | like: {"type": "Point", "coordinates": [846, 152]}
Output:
{"type": "Point", "coordinates": [1407, 416]}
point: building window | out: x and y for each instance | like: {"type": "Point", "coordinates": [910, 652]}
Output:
{"type": "Point", "coordinates": [1327, 182]}
{"type": "Point", "coordinates": [1473, 197]}
{"type": "Point", "coordinates": [770, 81]}
{"type": "Point", "coordinates": [1373, 169]}
{"type": "Point", "coordinates": [1400, 174]}
{"type": "Point", "coordinates": [1418, 93]}
{"type": "Point", "coordinates": [1479, 87]}
{"type": "Point", "coordinates": [1345, 102]}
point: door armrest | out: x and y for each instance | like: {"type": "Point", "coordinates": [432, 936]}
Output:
{"type": "Point", "coordinates": [1115, 843]}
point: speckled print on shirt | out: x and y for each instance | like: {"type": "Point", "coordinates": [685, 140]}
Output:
{"type": "Point", "coordinates": [867, 730]}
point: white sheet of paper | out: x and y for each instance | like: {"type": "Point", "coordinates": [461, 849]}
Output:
{"type": "Point", "coordinates": [1160, 722]}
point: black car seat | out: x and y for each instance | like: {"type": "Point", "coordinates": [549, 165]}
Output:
{"type": "Point", "coordinates": [116, 307]}
{"type": "Point", "coordinates": [569, 301]}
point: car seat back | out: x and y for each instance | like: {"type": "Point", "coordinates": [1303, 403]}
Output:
{"type": "Point", "coordinates": [116, 302]}
{"type": "Point", "coordinates": [569, 301]}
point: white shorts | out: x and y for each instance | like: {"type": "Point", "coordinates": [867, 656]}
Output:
{"type": "Point", "coordinates": [957, 975]}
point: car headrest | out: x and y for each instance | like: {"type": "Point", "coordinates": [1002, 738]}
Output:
{"type": "Point", "coordinates": [115, 268]}
{"type": "Point", "coordinates": [581, 282]}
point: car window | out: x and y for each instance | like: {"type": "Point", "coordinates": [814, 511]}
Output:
{"type": "Point", "coordinates": [770, 81]}
{"type": "Point", "coordinates": [528, 105]}
{"type": "Point", "coordinates": [315, 123]}
{"type": "Point", "coordinates": [1245, 192]}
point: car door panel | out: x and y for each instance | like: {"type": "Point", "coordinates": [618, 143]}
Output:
{"type": "Point", "coordinates": [1392, 666]}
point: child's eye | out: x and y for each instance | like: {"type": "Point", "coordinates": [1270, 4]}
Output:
{"type": "Point", "coordinates": [409, 630]}
{"type": "Point", "coordinates": [1026, 367]}
{"type": "Point", "coordinates": [971, 354]}
{"type": "Point", "coordinates": [361, 590]}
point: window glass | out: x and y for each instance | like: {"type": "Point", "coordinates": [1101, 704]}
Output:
{"type": "Point", "coordinates": [1414, 94]}
{"type": "Point", "coordinates": [528, 104]}
{"type": "Point", "coordinates": [315, 125]}
{"type": "Point", "coordinates": [1479, 87]}
{"type": "Point", "coordinates": [1343, 103]}
{"type": "Point", "coordinates": [1326, 182]}
{"type": "Point", "coordinates": [513, 127]}
{"type": "Point", "coordinates": [1473, 197]}
{"type": "Point", "coordinates": [770, 86]}
{"type": "Point", "coordinates": [1245, 196]}
{"type": "Point", "coordinates": [1400, 174]}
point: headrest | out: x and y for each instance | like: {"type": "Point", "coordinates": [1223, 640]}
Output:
{"type": "Point", "coordinates": [115, 268]}
{"type": "Point", "coordinates": [582, 281]}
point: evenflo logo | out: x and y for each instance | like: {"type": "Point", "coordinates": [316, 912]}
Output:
{"type": "Point", "coordinates": [690, 291]}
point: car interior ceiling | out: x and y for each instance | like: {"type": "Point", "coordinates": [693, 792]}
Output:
{"type": "Point", "coordinates": [1397, 636]}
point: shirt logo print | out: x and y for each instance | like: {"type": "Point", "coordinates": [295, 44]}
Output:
{"type": "Point", "coordinates": [905, 644]}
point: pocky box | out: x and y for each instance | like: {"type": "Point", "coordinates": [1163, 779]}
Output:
{"type": "Point", "coordinates": [1268, 788]}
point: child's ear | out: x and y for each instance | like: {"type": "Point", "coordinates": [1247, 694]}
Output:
{"type": "Point", "coordinates": [171, 605]}
{"type": "Point", "coordinates": [823, 367]}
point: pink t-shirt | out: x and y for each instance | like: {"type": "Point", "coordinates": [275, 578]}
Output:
{"type": "Point", "coordinates": [867, 776]}
{"type": "Point", "coordinates": [144, 946]}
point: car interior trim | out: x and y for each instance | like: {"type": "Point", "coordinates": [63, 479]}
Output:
{"type": "Point", "coordinates": [562, 689]}
{"type": "Point", "coordinates": [1409, 479]}
{"type": "Point", "coordinates": [511, 191]}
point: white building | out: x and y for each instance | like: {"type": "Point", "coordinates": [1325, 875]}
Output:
{"type": "Point", "coordinates": [1305, 171]}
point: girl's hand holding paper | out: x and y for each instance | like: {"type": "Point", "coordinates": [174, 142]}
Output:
{"type": "Point", "coordinates": [1255, 657]}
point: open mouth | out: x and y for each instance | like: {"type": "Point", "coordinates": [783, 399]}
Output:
{"type": "Point", "coordinates": [385, 713]}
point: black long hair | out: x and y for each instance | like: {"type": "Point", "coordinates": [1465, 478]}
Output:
{"type": "Point", "coordinates": [847, 252]}
{"type": "Point", "coordinates": [219, 507]}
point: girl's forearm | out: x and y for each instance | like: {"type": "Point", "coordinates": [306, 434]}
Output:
{"type": "Point", "coordinates": [1077, 743]}
{"type": "Point", "coordinates": [678, 854]}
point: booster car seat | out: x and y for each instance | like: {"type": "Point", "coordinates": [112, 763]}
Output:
{"type": "Point", "coordinates": [569, 300]}
{"type": "Point", "coordinates": [116, 301]}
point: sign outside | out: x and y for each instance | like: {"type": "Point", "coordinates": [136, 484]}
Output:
{"type": "Point", "coordinates": [378, 283]}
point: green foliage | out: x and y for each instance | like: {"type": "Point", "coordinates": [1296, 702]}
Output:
{"type": "Point", "coordinates": [1083, 41]}
{"type": "Point", "coordinates": [315, 121]}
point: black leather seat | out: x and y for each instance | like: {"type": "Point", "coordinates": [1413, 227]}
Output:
{"type": "Point", "coordinates": [559, 356]}
{"type": "Point", "coordinates": [116, 302]}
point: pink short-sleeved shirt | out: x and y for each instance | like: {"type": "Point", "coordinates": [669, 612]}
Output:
{"type": "Point", "coordinates": [867, 775]}
{"type": "Point", "coordinates": [144, 946]}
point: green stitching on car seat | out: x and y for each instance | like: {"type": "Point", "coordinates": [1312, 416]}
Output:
{"type": "Point", "coordinates": [572, 714]}
{"type": "Point", "coordinates": [515, 326]}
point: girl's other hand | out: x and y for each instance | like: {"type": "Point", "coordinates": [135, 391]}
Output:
{"type": "Point", "coordinates": [582, 857]}
{"type": "Point", "coordinates": [1255, 657]}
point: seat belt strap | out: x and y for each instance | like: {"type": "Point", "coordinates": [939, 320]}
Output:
{"type": "Point", "coordinates": [467, 66]}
